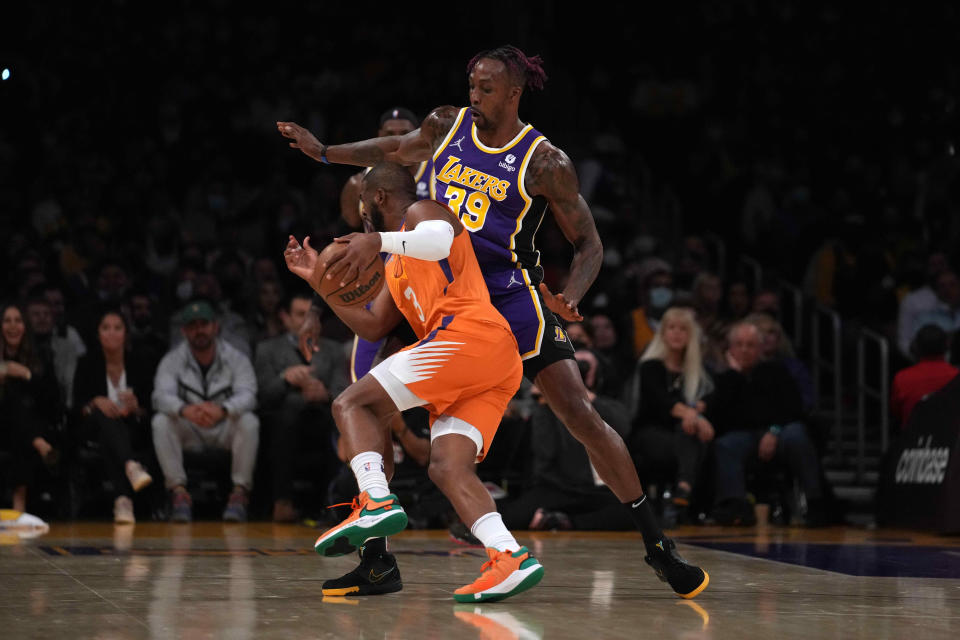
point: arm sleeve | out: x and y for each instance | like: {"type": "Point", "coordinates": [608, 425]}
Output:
{"type": "Point", "coordinates": [430, 240]}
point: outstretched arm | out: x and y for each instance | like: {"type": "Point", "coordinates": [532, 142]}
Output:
{"type": "Point", "coordinates": [416, 146]}
{"type": "Point", "coordinates": [551, 175]}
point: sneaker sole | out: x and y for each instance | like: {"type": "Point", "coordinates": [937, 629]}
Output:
{"type": "Point", "coordinates": [143, 483]}
{"type": "Point", "coordinates": [365, 590]}
{"type": "Point", "coordinates": [349, 538]}
{"type": "Point", "coordinates": [703, 585]}
{"type": "Point", "coordinates": [517, 582]}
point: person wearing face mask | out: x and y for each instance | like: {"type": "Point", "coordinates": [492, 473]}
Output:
{"type": "Point", "coordinates": [671, 428]}
{"type": "Point", "coordinates": [185, 281]}
{"type": "Point", "coordinates": [655, 280]}
{"type": "Point", "coordinates": [112, 390]}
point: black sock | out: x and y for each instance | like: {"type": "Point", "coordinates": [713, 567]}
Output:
{"type": "Point", "coordinates": [376, 546]}
{"type": "Point", "coordinates": [645, 520]}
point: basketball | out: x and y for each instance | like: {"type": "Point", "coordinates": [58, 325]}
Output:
{"type": "Point", "coordinates": [361, 290]}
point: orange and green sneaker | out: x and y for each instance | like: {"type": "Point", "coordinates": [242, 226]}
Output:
{"type": "Point", "coordinates": [370, 518]}
{"type": "Point", "coordinates": [506, 574]}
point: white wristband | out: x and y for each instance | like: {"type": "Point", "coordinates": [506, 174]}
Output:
{"type": "Point", "coordinates": [429, 240]}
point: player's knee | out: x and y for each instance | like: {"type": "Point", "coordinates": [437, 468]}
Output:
{"type": "Point", "coordinates": [342, 405]}
{"type": "Point", "coordinates": [444, 470]}
{"type": "Point", "coordinates": [438, 470]}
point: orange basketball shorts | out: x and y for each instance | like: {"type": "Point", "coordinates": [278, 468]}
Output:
{"type": "Point", "coordinates": [464, 379]}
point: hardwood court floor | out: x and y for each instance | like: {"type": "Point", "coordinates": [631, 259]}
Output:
{"type": "Point", "coordinates": [259, 580]}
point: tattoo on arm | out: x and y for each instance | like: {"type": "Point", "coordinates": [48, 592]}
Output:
{"type": "Point", "coordinates": [436, 125]}
{"type": "Point", "coordinates": [416, 146]}
{"type": "Point", "coordinates": [365, 153]}
{"type": "Point", "coordinates": [551, 174]}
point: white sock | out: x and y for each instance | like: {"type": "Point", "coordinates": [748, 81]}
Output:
{"type": "Point", "coordinates": [368, 469]}
{"type": "Point", "coordinates": [490, 530]}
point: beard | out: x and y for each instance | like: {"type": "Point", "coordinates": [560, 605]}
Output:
{"type": "Point", "coordinates": [376, 218]}
{"type": "Point", "coordinates": [200, 342]}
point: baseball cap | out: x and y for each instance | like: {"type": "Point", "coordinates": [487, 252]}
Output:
{"type": "Point", "coordinates": [399, 113]}
{"type": "Point", "coordinates": [199, 310]}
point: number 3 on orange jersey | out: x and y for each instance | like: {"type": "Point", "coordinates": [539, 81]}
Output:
{"type": "Point", "coordinates": [475, 209]}
{"type": "Point", "coordinates": [410, 295]}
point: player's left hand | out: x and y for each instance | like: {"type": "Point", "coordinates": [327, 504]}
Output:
{"type": "Point", "coordinates": [361, 249]}
{"type": "Point", "coordinates": [301, 260]}
{"type": "Point", "coordinates": [559, 305]}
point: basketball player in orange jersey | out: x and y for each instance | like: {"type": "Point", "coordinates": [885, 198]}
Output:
{"type": "Point", "coordinates": [464, 371]}
{"type": "Point", "coordinates": [499, 175]}
{"type": "Point", "coordinates": [375, 559]}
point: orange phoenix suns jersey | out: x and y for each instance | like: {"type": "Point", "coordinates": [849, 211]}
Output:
{"type": "Point", "coordinates": [448, 293]}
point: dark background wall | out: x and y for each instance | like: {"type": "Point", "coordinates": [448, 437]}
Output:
{"type": "Point", "coordinates": [145, 120]}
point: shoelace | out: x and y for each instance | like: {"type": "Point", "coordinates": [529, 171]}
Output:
{"type": "Point", "coordinates": [353, 505]}
{"type": "Point", "coordinates": [492, 561]}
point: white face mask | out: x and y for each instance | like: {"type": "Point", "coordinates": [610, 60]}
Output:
{"type": "Point", "coordinates": [184, 290]}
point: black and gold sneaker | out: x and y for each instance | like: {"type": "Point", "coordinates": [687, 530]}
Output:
{"type": "Point", "coordinates": [377, 574]}
{"type": "Point", "coordinates": [685, 579]}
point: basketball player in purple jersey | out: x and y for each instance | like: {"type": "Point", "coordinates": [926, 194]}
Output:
{"type": "Point", "coordinates": [500, 175]}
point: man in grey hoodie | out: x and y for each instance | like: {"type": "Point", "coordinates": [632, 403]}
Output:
{"type": "Point", "coordinates": [204, 395]}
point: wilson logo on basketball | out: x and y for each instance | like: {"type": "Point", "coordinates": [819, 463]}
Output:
{"type": "Point", "coordinates": [349, 296]}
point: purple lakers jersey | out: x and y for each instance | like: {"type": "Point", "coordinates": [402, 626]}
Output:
{"type": "Point", "coordinates": [484, 187]}
{"type": "Point", "coordinates": [424, 177]}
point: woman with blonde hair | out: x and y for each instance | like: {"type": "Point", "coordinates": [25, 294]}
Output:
{"type": "Point", "coordinates": [671, 430]}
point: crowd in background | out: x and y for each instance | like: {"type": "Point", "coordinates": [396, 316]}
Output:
{"type": "Point", "coordinates": [141, 184]}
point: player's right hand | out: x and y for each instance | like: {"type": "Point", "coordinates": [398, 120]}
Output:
{"type": "Point", "coordinates": [557, 303]}
{"type": "Point", "coordinates": [302, 139]}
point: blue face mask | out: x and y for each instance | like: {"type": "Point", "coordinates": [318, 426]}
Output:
{"type": "Point", "coordinates": [661, 297]}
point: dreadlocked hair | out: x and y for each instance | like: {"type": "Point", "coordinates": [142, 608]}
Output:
{"type": "Point", "coordinates": [528, 72]}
